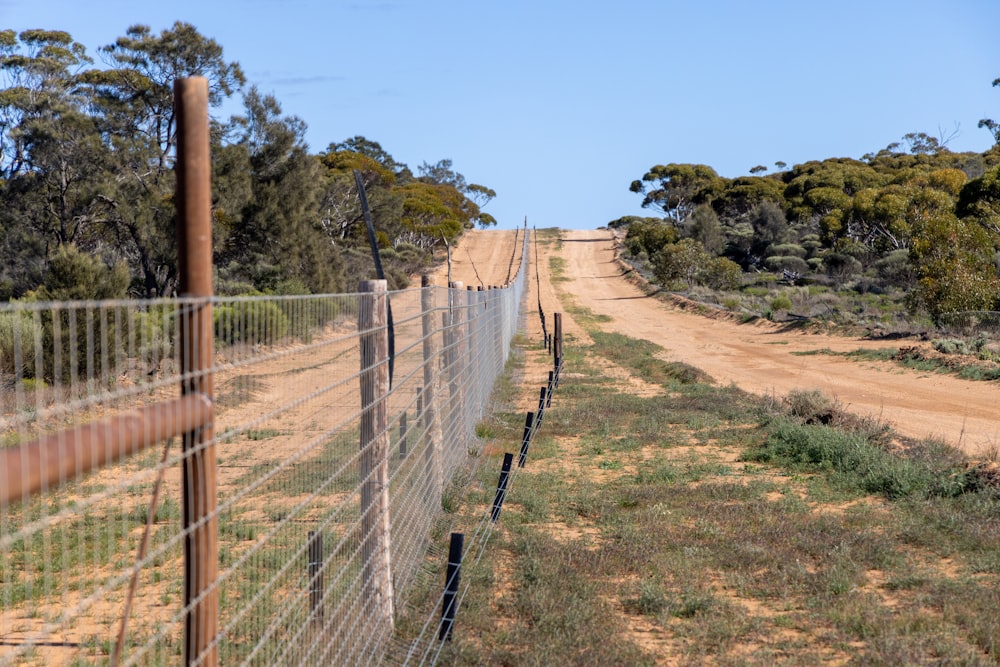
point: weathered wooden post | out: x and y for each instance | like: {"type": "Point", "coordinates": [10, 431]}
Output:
{"type": "Point", "coordinates": [473, 319]}
{"type": "Point", "coordinates": [431, 423]}
{"type": "Point", "coordinates": [499, 319]}
{"type": "Point", "coordinates": [376, 572]}
{"type": "Point", "coordinates": [197, 344]}
{"type": "Point", "coordinates": [455, 376]}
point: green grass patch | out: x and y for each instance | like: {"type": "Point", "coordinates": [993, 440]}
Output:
{"type": "Point", "coordinates": [738, 532]}
{"type": "Point", "coordinates": [639, 356]}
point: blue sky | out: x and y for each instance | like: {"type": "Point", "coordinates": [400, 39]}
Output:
{"type": "Point", "coordinates": [558, 106]}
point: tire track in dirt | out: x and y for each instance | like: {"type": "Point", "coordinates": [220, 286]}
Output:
{"type": "Point", "coordinates": [760, 358]}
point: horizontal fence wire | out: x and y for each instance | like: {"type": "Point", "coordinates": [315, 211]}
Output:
{"type": "Point", "coordinates": [293, 581]}
{"type": "Point", "coordinates": [970, 322]}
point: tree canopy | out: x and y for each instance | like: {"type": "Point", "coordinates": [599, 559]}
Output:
{"type": "Point", "coordinates": [87, 157]}
{"type": "Point", "coordinates": [913, 214]}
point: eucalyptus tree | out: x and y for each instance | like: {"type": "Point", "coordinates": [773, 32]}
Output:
{"type": "Point", "coordinates": [341, 215]}
{"type": "Point", "coordinates": [51, 154]}
{"type": "Point", "coordinates": [132, 101]}
{"type": "Point", "coordinates": [990, 124]}
{"type": "Point", "coordinates": [276, 240]}
{"type": "Point", "coordinates": [441, 173]}
{"type": "Point", "coordinates": [675, 189]}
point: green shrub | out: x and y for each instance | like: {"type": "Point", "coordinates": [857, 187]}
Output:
{"type": "Point", "coordinates": [731, 303]}
{"type": "Point", "coordinates": [251, 321]}
{"type": "Point", "coordinates": [786, 250]}
{"type": "Point", "coordinates": [17, 344]}
{"type": "Point", "coordinates": [859, 463]}
{"type": "Point", "coordinates": [781, 302]}
{"type": "Point", "coordinates": [149, 333]}
{"type": "Point", "coordinates": [787, 263]}
{"type": "Point", "coordinates": [307, 316]}
{"type": "Point", "coordinates": [722, 274]}
{"type": "Point", "coordinates": [951, 346]}
{"type": "Point", "coordinates": [810, 405]}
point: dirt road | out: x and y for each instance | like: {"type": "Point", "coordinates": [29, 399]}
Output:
{"type": "Point", "coordinates": [483, 258]}
{"type": "Point", "coordinates": [759, 357]}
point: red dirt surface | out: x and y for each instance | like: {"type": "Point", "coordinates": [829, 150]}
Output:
{"type": "Point", "coordinates": [757, 357]}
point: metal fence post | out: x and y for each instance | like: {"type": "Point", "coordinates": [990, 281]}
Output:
{"type": "Point", "coordinates": [529, 426]}
{"type": "Point", "coordinates": [375, 561]}
{"type": "Point", "coordinates": [452, 577]}
{"type": "Point", "coordinates": [194, 261]}
{"type": "Point", "coordinates": [557, 347]}
{"type": "Point", "coordinates": [508, 458]}
{"type": "Point", "coordinates": [315, 547]}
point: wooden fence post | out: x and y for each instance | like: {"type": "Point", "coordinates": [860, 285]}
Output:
{"type": "Point", "coordinates": [376, 571]}
{"type": "Point", "coordinates": [456, 409]}
{"type": "Point", "coordinates": [431, 423]}
{"type": "Point", "coordinates": [499, 320]}
{"type": "Point", "coordinates": [197, 346]}
{"type": "Point", "coordinates": [472, 321]}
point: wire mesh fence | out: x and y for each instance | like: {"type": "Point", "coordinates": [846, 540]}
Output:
{"type": "Point", "coordinates": [326, 496]}
{"type": "Point", "coordinates": [970, 322]}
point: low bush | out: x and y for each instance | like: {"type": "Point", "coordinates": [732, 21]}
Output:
{"type": "Point", "coordinates": [17, 344]}
{"type": "Point", "coordinates": [858, 463]}
{"type": "Point", "coordinates": [250, 321]}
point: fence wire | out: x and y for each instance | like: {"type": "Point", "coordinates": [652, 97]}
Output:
{"type": "Point", "coordinates": [293, 584]}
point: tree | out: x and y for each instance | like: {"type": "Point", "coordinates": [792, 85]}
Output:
{"type": "Point", "coordinates": [434, 211]}
{"type": "Point", "coordinates": [649, 235]}
{"type": "Point", "coordinates": [442, 174]}
{"type": "Point", "coordinates": [979, 200]}
{"type": "Point", "coordinates": [37, 70]}
{"type": "Point", "coordinates": [922, 144]}
{"type": "Point", "coordinates": [989, 123]}
{"type": "Point", "coordinates": [707, 230]}
{"type": "Point", "coordinates": [677, 188]}
{"type": "Point", "coordinates": [371, 149]}
{"type": "Point", "coordinates": [341, 215]}
{"type": "Point", "coordinates": [133, 105]}
{"type": "Point", "coordinates": [481, 196]}
{"type": "Point", "coordinates": [820, 192]}
{"type": "Point", "coordinates": [954, 265]}
{"type": "Point", "coordinates": [769, 228]}
{"type": "Point", "coordinates": [683, 260]}
{"type": "Point", "coordinates": [478, 195]}
{"type": "Point", "coordinates": [735, 200]}
{"type": "Point", "coordinates": [277, 239]}
{"type": "Point", "coordinates": [52, 157]}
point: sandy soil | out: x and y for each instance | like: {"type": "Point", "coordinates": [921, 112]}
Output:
{"type": "Point", "coordinates": [757, 357]}
{"type": "Point", "coordinates": [483, 258]}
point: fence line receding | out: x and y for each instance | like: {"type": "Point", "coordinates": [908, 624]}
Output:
{"type": "Point", "coordinates": [328, 483]}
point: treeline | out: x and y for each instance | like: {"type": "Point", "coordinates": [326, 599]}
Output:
{"type": "Point", "coordinates": [87, 154]}
{"type": "Point", "coordinates": [914, 217]}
